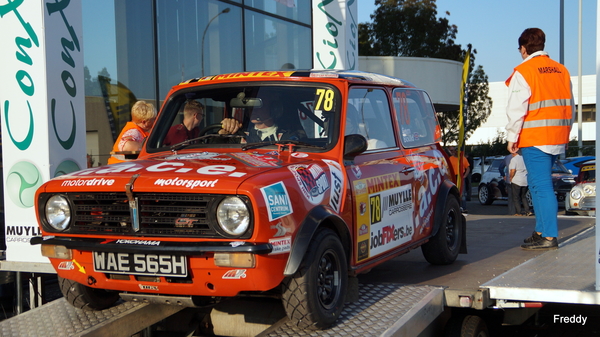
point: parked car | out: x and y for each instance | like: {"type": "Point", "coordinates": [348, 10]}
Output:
{"type": "Point", "coordinates": [295, 217]}
{"type": "Point", "coordinates": [574, 163]}
{"type": "Point", "coordinates": [582, 198]}
{"type": "Point", "coordinates": [493, 187]}
{"type": "Point", "coordinates": [478, 168]}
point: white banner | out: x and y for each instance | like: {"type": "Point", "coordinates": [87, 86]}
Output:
{"type": "Point", "coordinates": [42, 109]}
{"type": "Point", "coordinates": [335, 34]}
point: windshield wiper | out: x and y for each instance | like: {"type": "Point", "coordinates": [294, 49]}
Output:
{"type": "Point", "coordinates": [280, 142]}
{"type": "Point", "coordinates": [185, 143]}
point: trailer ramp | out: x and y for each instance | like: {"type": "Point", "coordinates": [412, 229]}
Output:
{"type": "Point", "coordinates": [565, 275]}
{"type": "Point", "coordinates": [59, 318]}
{"type": "Point", "coordinates": [382, 310]}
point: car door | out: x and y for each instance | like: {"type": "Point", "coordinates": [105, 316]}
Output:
{"type": "Point", "coordinates": [382, 197]}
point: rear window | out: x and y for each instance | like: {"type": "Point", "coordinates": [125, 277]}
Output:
{"type": "Point", "coordinates": [416, 117]}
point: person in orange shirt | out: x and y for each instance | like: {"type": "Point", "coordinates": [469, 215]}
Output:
{"type": "Point", "coordinates": [465, 173]}
{"type": "Point", "coordinates": [143, 116]}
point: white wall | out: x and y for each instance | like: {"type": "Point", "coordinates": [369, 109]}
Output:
{"type": "Point", "coordinates": [440, 78]}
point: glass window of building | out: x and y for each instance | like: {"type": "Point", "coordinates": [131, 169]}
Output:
{"type": "Point", "coordinates": [273, 44]}
{"type": "Point", "coordinates": [297, 10]}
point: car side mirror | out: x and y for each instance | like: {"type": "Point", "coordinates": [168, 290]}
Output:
{"type": "Point", "coordinates": [354, 145]}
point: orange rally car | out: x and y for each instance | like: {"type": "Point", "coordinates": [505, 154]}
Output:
{"type": "Point", "coordinates": [330, 174]}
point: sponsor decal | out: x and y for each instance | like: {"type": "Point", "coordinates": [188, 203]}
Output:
{"type": "Point", "coordinates": [21, 234]}
{"type": "Point", "coordinates": [277, 200]}
{"type": "Point", "coordinates": [281, 246]}
{"type": "Point", "coordinates": [390, 235]}
{"type": "Point", "coordinates": [87, 182]}
{"type": "Point", "coordinates": [254, 74]}
{"type": "Point", "coordinates": [362, 208]}
{"type": "Point", "coordinates": [363, 230]}
{"type": "Point", "coordinates": [337, 183]}
{"type": "Point", "coordinates": [66, 265]}
{"type": "Point", "coordinates": [312, 181]}
{"type": "Point", "coordinates": [383, 182]}
{"type": "Point", "coordinates": [299, 155]}
{"type": "Point", "coordinates": [234, 274]}
{"type": "Point", "coordinates": [281, 231]}
{"type": "Point", "coordinates": [137, 242]}
{"type": "Point", "coordinates": [357, 172]}
{"type": "Point", "coordinates": [198, 156]}
{"type": "Point", "coordinates": [360, 187]}
{"type": "Point", "coordinates": [236, 243]}
{"type": "Point", "coordinates": [176, 167]}
{"type": "Point", "coordinates": [363, 250]}
{"type": "Point", "coordinates": [257, 160]}
{"type": "Point", "coordinates": [148, 287]}
{"type": "Point", "coordinates": [187, 183]}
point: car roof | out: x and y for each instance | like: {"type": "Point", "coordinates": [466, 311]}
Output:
{"type": "Point", "coordinates": [355, 76]}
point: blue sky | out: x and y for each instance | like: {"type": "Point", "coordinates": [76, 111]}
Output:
{"type": "Point", "coordinates": [493, 28]}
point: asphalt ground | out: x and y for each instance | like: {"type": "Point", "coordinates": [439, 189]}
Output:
{"type": "Point", "coordinates": [494, 239]}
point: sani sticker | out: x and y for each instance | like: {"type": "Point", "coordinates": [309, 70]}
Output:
{"type": "Point", "coordinates": [277, 200]}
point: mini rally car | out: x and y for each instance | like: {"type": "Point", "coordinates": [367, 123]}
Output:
{"type": "Point", "coordinates": [351, 176]}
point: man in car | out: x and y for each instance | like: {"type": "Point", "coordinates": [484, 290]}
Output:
{"type": "Point", "coordinates": [263, 125]}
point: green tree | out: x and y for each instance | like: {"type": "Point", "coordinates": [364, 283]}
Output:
{"type": "Point", "coordinates": [411, 28]}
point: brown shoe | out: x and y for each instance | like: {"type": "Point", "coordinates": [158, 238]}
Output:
{"type": "Point", "coordinates": [541, 244]}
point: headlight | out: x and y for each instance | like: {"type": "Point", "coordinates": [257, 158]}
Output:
{"type": "Point", "coordinates": [58, 213]}
{"type": "Point", "coordinates": [576, 194]}
{"type": "Point", "coordinates": [233, 216]}
{"type": "Point", "coordinates": [589, 189]}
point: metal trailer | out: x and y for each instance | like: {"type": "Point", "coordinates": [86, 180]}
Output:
{"type": "Point", "coordinates": [562, 276]}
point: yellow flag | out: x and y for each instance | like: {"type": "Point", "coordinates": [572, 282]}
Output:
{"type": "Point", "coordinates": [461, 120]}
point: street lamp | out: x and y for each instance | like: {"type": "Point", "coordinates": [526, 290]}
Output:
{"type": "Point", "coordinates": [226, 10]}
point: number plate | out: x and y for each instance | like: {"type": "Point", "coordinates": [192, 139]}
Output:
{"type": "Point", "coordinates": [140, 264]}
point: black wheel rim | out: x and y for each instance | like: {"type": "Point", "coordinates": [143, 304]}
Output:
{"type": "Point", "coordinates": [328, 282]}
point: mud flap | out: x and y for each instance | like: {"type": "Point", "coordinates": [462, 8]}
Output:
{"type": "Point", "coordinates": [463, 241]}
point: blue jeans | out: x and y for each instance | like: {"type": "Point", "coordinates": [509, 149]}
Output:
{"type": "Point", "coordinates": [539, 177]}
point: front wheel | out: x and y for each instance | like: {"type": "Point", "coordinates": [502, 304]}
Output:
{"type": "Point", "coordinates": [84, 297]}
{"type": "Point", "coordinates": [313, 297]}
{"type": "Point", "coordinates": [444, 246]}
{"type": "Point", "coordinates": [485, 195]}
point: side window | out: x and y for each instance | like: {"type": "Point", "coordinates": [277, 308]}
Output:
{"type": "Point", "coordinates": [368, 114]}
{"type": "Point", "coordinates": [416, 117]}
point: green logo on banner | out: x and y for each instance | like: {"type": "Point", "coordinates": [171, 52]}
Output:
{"type": "Point", "coordinates": [65, 167]}
{"type": "Point", "coordinates": [22, 181]}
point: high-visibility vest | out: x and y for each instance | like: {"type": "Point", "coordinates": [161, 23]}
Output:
{"type": "Point", "coordinates": [549, 116]}
{"type": "Point", "coordinates": [118, 158]}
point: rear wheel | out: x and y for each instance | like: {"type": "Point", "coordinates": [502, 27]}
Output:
{"type": "Point", "coordinates": [444, 246]}
{"type": "Point", "coordinates": [84, 297]}
{"type": "Point", "coordinates": [313, 297]}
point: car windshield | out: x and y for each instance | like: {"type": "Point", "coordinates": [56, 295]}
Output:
{"type": "Point", "coordinates": [273, 114]}
{"type": "Point", "coordinates": [587, 174]}
{"type": "Point", "coordinates": [559, 168]}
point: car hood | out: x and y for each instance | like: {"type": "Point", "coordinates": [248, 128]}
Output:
{"type": "Point", "coordinates": [183, 173]}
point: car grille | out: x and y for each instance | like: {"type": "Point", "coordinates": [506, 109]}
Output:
{"type": "Point", "coordinates": [588, 203]}
{"type": "Point", "coordinates": [160, 214]}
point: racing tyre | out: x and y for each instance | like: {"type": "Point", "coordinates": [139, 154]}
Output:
{"type": "Point", "coordinates": [444, 246]}
{"type": "Point", "coordinates": [485, 195]}
{"type": "Point", "coordinates": [469, 326]}
{"type": "Point", "coordinates": [313, 297]}
{"type": "Point", "coordinates": [83, 297]}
